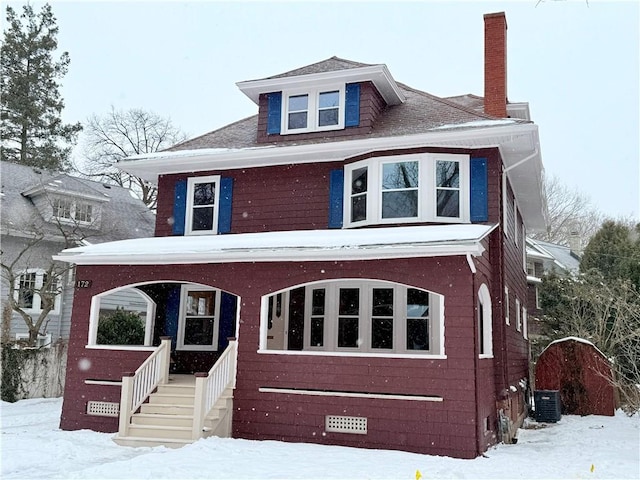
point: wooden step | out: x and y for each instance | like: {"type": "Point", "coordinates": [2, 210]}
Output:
{"type": "Point", "coordinates": [164, 420]}
{"type": "Point", "coordinates": [166, 409]}
{"type": "Point", "coordinates": [150, 442]}
{"type": "Point", "coordinates": [172, 399]}
{"type": "Point", "coordinates": [177, 389]}
{"type": "Point", "coordinates": [155, 431]}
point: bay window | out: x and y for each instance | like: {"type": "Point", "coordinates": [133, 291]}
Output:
{"type": "Point", "coordinates": [407, 188]}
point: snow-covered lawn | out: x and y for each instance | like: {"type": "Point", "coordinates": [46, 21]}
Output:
{"type": "Point", "coordinates": [576, 447]}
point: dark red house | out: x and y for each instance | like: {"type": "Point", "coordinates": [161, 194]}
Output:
{"type": "Point", "coordinates": [581, 373]}
{"type": "Point", "coordinates": [361, 241]}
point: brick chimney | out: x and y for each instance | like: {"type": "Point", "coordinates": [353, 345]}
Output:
{"type": "Point", "coordinates": [495, 64]}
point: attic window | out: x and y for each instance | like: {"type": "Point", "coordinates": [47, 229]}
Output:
{"type": "Point", "coordinates": [313, 110]}
{"type": "Point", "coordinates": [68, 210]}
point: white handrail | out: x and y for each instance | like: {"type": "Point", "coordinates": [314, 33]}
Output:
{"type": "Point", "coordinates": [211, 386]}
{"type": "Point", "coordinates": [136, 387]}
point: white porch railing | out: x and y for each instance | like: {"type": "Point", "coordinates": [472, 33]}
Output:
{"type": "Point", "coordinates": [137, 386]}
{"type": "Point", "coordinates": [211, 386]}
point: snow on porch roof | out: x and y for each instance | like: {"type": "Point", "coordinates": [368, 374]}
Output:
{"type": "Point", "coordinates": [304, 245]}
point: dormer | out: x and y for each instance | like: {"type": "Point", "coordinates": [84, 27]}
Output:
{"type": "Point", "coordinates": [336, 97]}
{"type": "Point", "coordinates": [65, 201]}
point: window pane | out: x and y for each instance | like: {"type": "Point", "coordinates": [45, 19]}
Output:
{"type": "Point", "coordinates": [298, 120]}
{"type": "Point", "coordinates": [349, 301]}
{"type": "Point", "coordinates": [201, 304]}
{"type": "Point", "coordinates": [204, 193]}
{"type": "Point", "coordinates": [317, 332]}
{"type": "Point", "coordinates": [198, 331]}
{"type": "Point", "coordinates": [448, 203]}
{"type": "Point", "coordinates": [202, 218]}
{"type": "Point", "coordinates": [400, 204]}
{"type": "Point", "coordinates": [417, 303]}
{"type": "Point", "coordinates": [399, 175]}
{"type": "Point", "coordinates": [26, 288]}
{"type": "Point", "coordinates": [329, 99]}
{"type": "Point", "coordinates": [347, 332]}
{"type": "Point", "coordinates": [298, 102]}
{"type": "Point", "coordinates": [359, 180]}
{"type": "Point", "coordinates": [328, 117]}
{"type": "Point", "coordinates": [382, 333]}
{"type": "Point", "coordinates": [417, 334]}
{"type": "Point", "coordinates": [447, 174]}
{"type": "Point", "coordinates": [382, 302]}
{"type": "Point", "coordinates": [317, 303]}
{"type": "Point", "coordinates": [359, 208]}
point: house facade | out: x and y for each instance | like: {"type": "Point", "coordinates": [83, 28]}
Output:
{"type": "Point", "coordinates": [42, 213]}
{"type": "Point", "coordinates": [359, 245]}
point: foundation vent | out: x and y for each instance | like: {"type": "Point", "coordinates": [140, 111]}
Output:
{"type": "Point", "coordinates": [103, 409]}
{"type": "Point", "coordinates": [342, 424]}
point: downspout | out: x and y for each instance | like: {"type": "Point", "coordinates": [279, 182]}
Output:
{"type": "Point", "coordinates": [476, 360]}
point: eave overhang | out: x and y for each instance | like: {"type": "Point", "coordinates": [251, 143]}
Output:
{"type": "Point", "coordinates": [290, 246]}
{"type": "Point", "coordinates": [518, 144]}
{"type": "Point", "coordinates": [57, 190]}
{"type": "Point", "coordinates": [378, 74]}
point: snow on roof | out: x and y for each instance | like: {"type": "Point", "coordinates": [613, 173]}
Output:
{"type": "Point", "coordinates": [304, 245]}
{"type": "Point", "coordinates": [575, 339]}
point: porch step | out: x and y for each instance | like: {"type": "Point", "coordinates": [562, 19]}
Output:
{"type": "Point", "coordinates": [166, 409]}
{"type": "Point", "coordinates": [171, 399]}
{"type": "Point", "coordinates": [177, 389]}
{"type": "Point", "coordinates": [159, 431]}
{"type": "Point", "coordinates": [164, 420]}
{"type": "Point", "coordinates": [149, 442]}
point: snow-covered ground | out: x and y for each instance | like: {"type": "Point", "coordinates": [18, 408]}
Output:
{"type": "Point", "coordinates": [33, 447]}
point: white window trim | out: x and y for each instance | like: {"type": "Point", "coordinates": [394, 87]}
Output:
{"type": "Point", "coordinates": [73, 208]}
{"type": "Point", "coordinates": [537, 298]}
{"type": "Point", "coordinates": [518, 316]}
{"type": "Point", "coordinates": [436, 322]}
{"type": "Point", "coordinates": [37, 301]}
{"type": "Point", "coordinates": [516, 236]}
{"type": "Point", "coordinates": [184, 291]}
{"type": "Point", "coordinates": [525, 325]}
{"type": "Point", "coordinates": [506, 305]}
{"type": "Point", "coordinates": [484, 303]}
{"type": "Point", "coordinates": [94, 319]}
{"type": "Point", "coordinates": [427, 201]}
{"type": "Point", "coordinates": [191, 182]}
{"type": "Point", "coordinates": [312, 109]}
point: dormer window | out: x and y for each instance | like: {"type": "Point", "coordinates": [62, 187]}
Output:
{"type": "Point", "coordinates": [71, 210]}
{"type": "Point", "coordinates": [313, 110]}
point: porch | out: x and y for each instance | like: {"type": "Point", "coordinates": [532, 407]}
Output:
{"type": "Point", "coordinates": [159, 408]}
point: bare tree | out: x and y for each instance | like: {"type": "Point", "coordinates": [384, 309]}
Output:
{"type": "Point", "coordinates": [18, 270]}
{"type": "Point", "coordinates": [120, 134]}
{"type": "Point", "coordinates": [570, 216]}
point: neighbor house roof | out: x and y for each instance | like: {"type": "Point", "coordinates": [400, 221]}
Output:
{"type": "Point", "coordinates": [122, 215]}
{"type": "Point", "coordinates": [299, 245]}
{"type": "Point", "coordinates": [554, 256]}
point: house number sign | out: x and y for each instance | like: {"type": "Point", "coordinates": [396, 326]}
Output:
{"type": "Point", "coordinates": [83, 283]}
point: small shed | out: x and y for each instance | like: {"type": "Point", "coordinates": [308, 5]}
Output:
{"type": "Point", "coordinates": [581, 373]}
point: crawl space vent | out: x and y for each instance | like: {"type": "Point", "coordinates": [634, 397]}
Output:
{"type": "Point", "coordinates": [103, 409]}
{"type": "Point", "coordinates": [342, 424]}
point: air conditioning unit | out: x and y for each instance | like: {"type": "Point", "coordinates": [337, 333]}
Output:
{"type": "Point", "coordinates": [548, 405]}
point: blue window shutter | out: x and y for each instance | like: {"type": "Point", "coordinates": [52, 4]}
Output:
{"type": "Point", "coordinates": [274, 112]}
{"type": "Point", "coordinates": [179, 207]}
{"type": "Point", "coordinates": [352, 105]}
{"type": "Point", "coordinates": [478, 195]}
{"type": "Point", "coordinates": [224, 212]}
{"type": "Point", "coordinates": [336, 194]}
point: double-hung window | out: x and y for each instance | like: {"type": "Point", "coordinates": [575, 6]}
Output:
{"type": "Point", "coordinates": [30, 288]}
{"type": "Point", "coordinates": [199, 319]}
{"type": "Point", "coordinates": [407, 188]}
{"type": "Point", "coordinates": [203, 195]}
{"type": "Point", "coordinates": [313, 110]}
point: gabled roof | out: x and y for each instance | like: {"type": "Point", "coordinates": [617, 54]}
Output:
{"type": "Point", "coordinates": [122, 216]}
{"type": "Point", "coordinates": [553, 256]}
{"type": "Point", "coordinates": [332, 64]}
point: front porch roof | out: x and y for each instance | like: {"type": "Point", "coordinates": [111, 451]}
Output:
{"type": "Point", "coordinates": [304, 245]}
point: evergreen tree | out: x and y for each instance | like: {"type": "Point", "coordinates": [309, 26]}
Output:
{"type": "Point", "coordinates": [32, 131]}
{"type": "Point", "coordinates": [615, 252]}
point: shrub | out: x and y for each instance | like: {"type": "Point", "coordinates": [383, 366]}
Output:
{"type": "Point", "coordinates": [121, 328]}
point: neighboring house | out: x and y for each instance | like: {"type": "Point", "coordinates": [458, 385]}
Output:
{"type": "Point", "coordinates": [63, 211]}
{"type": "Point", "coordinates": [363, 241]}
{"type": "Point", "coordinates": [543, 258]}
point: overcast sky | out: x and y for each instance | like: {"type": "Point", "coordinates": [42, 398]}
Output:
{"type": "Point", "coordinates": [575, 62]}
